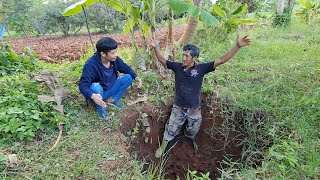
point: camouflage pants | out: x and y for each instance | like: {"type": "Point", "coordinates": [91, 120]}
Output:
{"type": "Point", "coordinates": [177, 119]}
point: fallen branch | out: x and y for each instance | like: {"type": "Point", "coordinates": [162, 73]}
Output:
{"type": "Point", "coordinates": [60, 126]}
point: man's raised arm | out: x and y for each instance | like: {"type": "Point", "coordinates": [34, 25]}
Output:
{"type": "Point", "coordinates": [161, 59]}
{"type": "Point", "coordinates": [241, 42]}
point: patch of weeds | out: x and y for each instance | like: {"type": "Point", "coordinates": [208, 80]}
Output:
{"type": "Point", "coordinates": [285, 153]}
{"type": "Point", "coordinates": [22, 115]}
{"type": "Point", "coordinates": [114, 122]}
{"type": "Point", "coordinates": [150, 81]}
{"type": "Point", "coordinates": [194, 175]}
{"type": "Point", "coordinates": [251, 128]}
{"type": "Point", "coordinates": [10, 62]}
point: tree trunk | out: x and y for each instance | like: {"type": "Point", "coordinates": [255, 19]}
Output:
{"type": "Point", "coordinates": [169, 48]}
{"type": "Point", "coordinates": [291, 4]}
{"type": "Point", "coordinates": [280, 7]}
{"type": "Point", "coordinates": [154, 63]}
{"type": "Point", "coordinates": [192, 24]}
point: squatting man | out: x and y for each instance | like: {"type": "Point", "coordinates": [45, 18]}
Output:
{"type": "Point", "coordinates": [100, 80]}
{"type": "Point", "coordinates": [188, 82]}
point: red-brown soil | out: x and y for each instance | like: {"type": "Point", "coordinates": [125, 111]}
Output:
{"type": "Point", "coordinates": [212, 148]}
{"type": "Point", "coordinates": [56, 48]}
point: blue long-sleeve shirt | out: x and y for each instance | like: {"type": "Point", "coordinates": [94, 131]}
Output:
{"type": "Point", "coordinates": [94, 71]}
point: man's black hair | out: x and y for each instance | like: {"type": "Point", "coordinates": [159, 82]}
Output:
{"type": "Point", "coordinates": [194, 50]}
{"type": "Point", "coordinates": [106, 44]}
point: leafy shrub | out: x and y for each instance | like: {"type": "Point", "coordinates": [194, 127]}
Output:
{"type": "Point", "coordinates": [11, 62]}
{"type": "Point", "coordinates": [231, 16]}
{"type": "Point", "coordinates": [308, 10]}
{"type": "Point", "coordinates": [281, 20]}
{"type": "Point", "coordinates": [21, 114]}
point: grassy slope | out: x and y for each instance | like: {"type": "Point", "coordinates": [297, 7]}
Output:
{"type": "Point", "coordinates": [278, 74]}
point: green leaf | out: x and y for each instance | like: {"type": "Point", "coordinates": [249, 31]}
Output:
{"type": "Point", "coordinates": [21, 129]}
{"type": "Point", "coordinates": [145, 28]}
{"type": "Point", "coordinates": [234, 21]}
{"type": "Point", "coordinates": [136, 13]}
{"type": "Point", "coordinates": [14, 124]}
{"type": "Point", "coordinates": [219, 11]}
{"type": "Point", "coordinates": [127, 27]}
{"type": "Point", "coordinates": [77, 7]}
{"type": "Point", "coordinates": [31, 133]}
{"type": "Point", "coordinates": [6, 129]}
{"type": "Point", "coordinates": [116, 6]}
{"type": "Point", "coordinates": [277, 155]}
{"type": "Point", "coordinates": [14, 110]}
{"type": "Point", "coordinates": [247, 21]}
{"type": "Point", "coordinates": [35, 116]}
{"type": "Point", "coordinates": [181, 7]}
{"type": "Point", "coordinates": [128, 7]}
{"type": "Point", "coordinates": [302, 3]}
{"type": "Point", "coordinates": [193, 10]}
{"type": "Point", "coordinates": [309, 5]}
{"type": "Point", "coordinates": [207, 18]}
{"type": "Point", "coordinates": [240, 9]}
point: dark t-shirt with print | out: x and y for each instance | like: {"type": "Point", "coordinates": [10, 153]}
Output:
{"type": "Point", "coordinates": [188, 83]}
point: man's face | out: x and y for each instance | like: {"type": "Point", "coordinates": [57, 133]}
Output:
{"type": "Point", "coordinates": [188, 60]}
{"type": "Point", "coordinates": [111, 56]}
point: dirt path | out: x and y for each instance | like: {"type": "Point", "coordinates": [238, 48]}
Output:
{"type": "Point", "coordinates": [57, 48]}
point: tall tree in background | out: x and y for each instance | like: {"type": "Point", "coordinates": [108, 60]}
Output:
{"type": "Point", "coordinates": [191, 28]}
{"type": "Point", "coordinates": [283, 14]}
{"type": "Point", "coordinates": [169, 46]}
{"type": "Point", "coordinates": [280, 7]}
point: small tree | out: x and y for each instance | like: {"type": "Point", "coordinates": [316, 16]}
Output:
{"type": "Point", "coordinates": [231, 18]}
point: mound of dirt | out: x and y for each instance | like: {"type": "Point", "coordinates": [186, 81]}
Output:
{"type": "Point", "coordinates": [145, 128]}
{"type": "Point", "coordinates": [55, 48]}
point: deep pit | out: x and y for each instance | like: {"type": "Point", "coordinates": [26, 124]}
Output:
{"type": "Point", "coordinates": [145, 127]}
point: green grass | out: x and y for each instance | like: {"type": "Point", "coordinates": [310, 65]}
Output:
{"type": "Point", "coordinates": [278, 74]}
{"type": "Point", "coordinates": [276, 77]}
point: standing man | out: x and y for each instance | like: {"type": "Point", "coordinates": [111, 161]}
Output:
{"type": "Point", "coordinates": [100, 80]}
{"type": "Point", "coordinates": [188, 82]}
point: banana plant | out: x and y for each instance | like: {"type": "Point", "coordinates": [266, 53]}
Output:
{"type": "Point", "coordinates": [229, 22]}
{"type": "Point", "coordinates": [131, 13]}
{"type": "Point", "coordinates": [77, 8]}
{"type": "Point", "coordinates": [308, 10]}
{"type": "Point", "coordinates": [135, 14]}
{"type": "Point", "coordinates": [197, 12]}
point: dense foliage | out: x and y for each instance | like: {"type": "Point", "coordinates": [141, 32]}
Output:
{"type": "Point", "coordinates": [11, 62]}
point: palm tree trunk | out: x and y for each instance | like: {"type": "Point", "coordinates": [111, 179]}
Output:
{"type": "Point", "coordinates": [169, 48]}
{"type": "Point", "coordinates": [280, 7]}
{"type": "Point", "coordinates": [192, 24]}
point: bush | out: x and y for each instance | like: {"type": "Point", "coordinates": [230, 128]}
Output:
{"type": "Point", "coordinates": [282, 20]}
{"type": "Point", "coordinates": [21, 114]}
{"type": "Point", "coordinates": [10, 62]}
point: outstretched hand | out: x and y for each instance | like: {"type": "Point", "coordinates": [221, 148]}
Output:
{"type": "Point", "coordinates": [153, 43]}
{"type": "Point", "coordinates": [98, 100]}
{"type": "Point", "coordinates": [244, 41]}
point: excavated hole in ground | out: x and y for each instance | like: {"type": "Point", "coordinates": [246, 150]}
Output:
{"type": "Point", "coordinates": [145, 126]}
